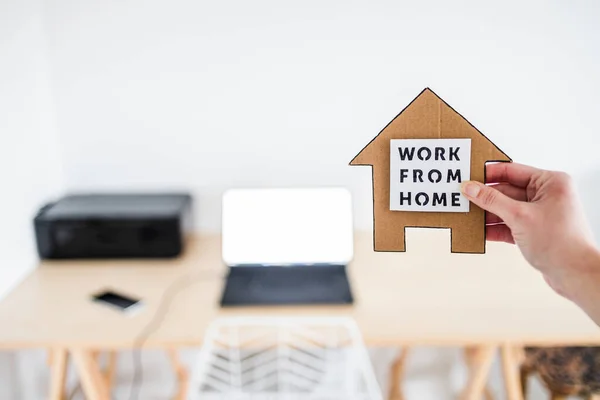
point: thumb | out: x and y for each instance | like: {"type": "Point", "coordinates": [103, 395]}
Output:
{"type": "Point", "coordinates": [490, 199]}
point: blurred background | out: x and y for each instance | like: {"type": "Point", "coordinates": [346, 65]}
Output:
{"type": "Point", "coordinates": [208, 95]}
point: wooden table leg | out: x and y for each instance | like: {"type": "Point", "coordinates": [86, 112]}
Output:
{"type": "Point", "coordinates": [111, 368]}
{"type": "Point", "coordinates": [510, 368]}
{"type": "Point", "coordinates": [181, 373]}
{"type": "Point", "coordinates": [92, 382]}
{"type": "Point", "coordinates": [524, 377]}
{"type": "Point", "coordinates": [397, 375]}
{"type": "Point", "coordinates": [471, 354]}
{"type": "Point", "coordinates": [57, 358]}
{"type": "Point", "coordinates": [480, 364]}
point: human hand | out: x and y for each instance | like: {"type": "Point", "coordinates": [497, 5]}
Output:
{"type": "Point", "coordinates": [540, 212]}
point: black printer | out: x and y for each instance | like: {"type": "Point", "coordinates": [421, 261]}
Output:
{"type": "Point", "coordinates": [114, 226]}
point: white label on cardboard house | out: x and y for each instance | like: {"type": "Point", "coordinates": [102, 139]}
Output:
{"type": "Point", "coordinates": [426, 174]}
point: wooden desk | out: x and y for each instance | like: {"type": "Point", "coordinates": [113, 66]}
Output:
{"type": "Point", "coordinates": [426, 296]}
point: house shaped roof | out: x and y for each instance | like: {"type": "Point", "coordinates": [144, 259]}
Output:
{"type": "Point", "coordinates": [427, 117]}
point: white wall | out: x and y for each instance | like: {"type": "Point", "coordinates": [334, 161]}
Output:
{"type": "Point", "coordinates": [209, 95]}
{"type": "Point", "coordinates": [30, 169]}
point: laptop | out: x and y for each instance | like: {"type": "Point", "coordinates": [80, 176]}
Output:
{"type": "Point", "coordinates": [287, 246]}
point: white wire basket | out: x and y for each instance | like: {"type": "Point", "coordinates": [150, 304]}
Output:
{"type": "Point", "coordinates": [266, 358]}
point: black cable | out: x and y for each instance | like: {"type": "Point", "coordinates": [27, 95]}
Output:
{"type": "Point", "coordinates": [164, 305]}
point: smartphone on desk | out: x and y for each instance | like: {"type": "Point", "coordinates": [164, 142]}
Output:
{"type": "Point", "coordinates": [123, 303]}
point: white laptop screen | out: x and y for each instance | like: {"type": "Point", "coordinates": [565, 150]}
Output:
{"type": "Point", "coordinates": [287, 226]}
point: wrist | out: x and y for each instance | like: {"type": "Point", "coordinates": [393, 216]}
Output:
{"type": "Point", "coordinates": [587, 262]}
{"type": "Point", "coordinates": [581, 279]}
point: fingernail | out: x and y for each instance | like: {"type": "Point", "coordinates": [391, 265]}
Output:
{"type": "Point", "coordinates": [471, 189]}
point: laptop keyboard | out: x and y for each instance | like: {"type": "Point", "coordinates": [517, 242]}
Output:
{"type": "Point", "coordinates": [309, 284]}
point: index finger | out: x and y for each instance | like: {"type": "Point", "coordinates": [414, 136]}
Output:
{"type": "Point", "coordinates": [516, 174]}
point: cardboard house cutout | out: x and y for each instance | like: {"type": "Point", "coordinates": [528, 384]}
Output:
{"type": "Point", "coordinates": [418, 161]}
